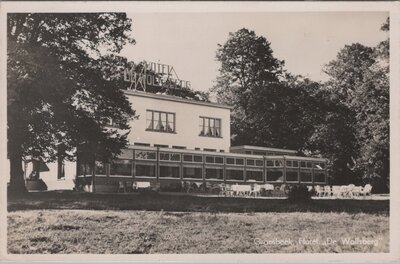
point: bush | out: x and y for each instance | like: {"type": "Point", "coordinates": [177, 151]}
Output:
{"type": "Point", "coordinates": [299, 194]}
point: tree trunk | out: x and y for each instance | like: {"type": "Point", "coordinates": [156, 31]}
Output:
{"type": "Point", "coordinates": [17, 181]}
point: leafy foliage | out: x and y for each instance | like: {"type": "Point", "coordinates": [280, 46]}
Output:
{"type": "Point", "coordinates": [56, 93]}
{"type": "Point", "coordinates": [345, 119]}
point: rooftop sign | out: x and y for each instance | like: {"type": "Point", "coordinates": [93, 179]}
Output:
{"type": "Point", "coordinates": [156, 75]}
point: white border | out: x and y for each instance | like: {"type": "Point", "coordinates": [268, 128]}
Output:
{"type": "Point", "coordinates": [162, 7]}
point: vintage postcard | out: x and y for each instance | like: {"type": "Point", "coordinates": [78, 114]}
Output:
{"type": "Point", "coordinates": [200, 131]}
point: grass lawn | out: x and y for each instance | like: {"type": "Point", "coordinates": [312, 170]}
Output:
{"type": "Point", "coordinates": [52, 223]}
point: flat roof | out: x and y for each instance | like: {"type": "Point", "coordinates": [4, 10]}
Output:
{"type": "Point", "coordinates": [227, 154]}
{"type": "Point", "coordinates": [248, 147]}
{"type": "Point", "coordinates": [175, 99]}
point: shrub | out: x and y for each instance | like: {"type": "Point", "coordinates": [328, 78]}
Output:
{"type": "Point", "coordinates": [299, 194]}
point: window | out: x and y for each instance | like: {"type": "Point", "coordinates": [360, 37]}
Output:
{"type": "Point", "coordinates": [160, 121]}
{"type": "Point", "coordinates": [214, 173]}
{"type": "Point", "coordinates": [232, 174]}
{"type": "Point", "coordinates": [275, 175]}
{"type": "Point", "coordinates": [145, 155]}
{"type": "Point", "coordinates": [305, 176]}
{"type": "Point", "coordinates": [214, 159]}
{"type": "Point", "coordinates": [255, 175]}
{"type": "Point", "coordinates": [160, 146]}
{"type": "Point", "coordinates": [319, 165]}
{"type": "Point", "coordinates": [192, 172]}
{"type": "Point", "coordinates": [121, 167]}
{"type": "Point", "coordinates": [100, 168]}
{"type": "Point", "coordinates": [230, 160]}
{"type": "Point", "coordinates": [192, 158]}
{"type": "Point", "coordinates": [170, 156]}
{"type": "Point", "coordinates": [111, 123]}
{"type": "Point", "coordinates": [260, 153]}
{"type": "Point", "coordinates": [141, 144]}
{"type": "Point", "coordinates": [169, 172]}
{"type": "Point", "coordinates": [210, 127]}
{"type": "Point", "coordinates": [211, 150]}
{"type": "Point", "coordinates": [319, 177]}
{"type": "Point", "coordinates": [219, 160]}
{"type": "Point", "coordinates": [145, 170]}
{"type": "Point", "coordinates": [198, 158]}
{"type": "Point", "coordinates": [292, 175]}
{"type": "Point", "coordinates": [292, 163]}
{"type": "Point", "coordinates": [84, 169]}
{"type": "Point", "coordinates": [188, 158]}
{"type": "Point", "coordinates": [178, 147]}
{"type": "Point", "coordinates": [306, 164]}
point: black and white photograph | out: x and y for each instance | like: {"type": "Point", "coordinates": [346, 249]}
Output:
{"type": "Point", "coordinates": [198, 128]}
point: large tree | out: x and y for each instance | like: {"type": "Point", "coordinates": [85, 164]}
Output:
{"type": "Point", "coordinates": [56, 97]}
{"type": "Point", "coordinates": [358, 125]}
{"type": "Point", "coordinates": [271, 107]}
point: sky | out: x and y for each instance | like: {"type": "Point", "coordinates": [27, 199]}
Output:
{"type": "Point", "coordinates": [304, 40]}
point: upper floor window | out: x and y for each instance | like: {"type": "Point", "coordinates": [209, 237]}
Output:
{"type": "Point", "coordinates": [111, 123]}
{"type": "Point", "coordinates": [160, 121]}
{"type": "Point", "coordinates": [210, 127]}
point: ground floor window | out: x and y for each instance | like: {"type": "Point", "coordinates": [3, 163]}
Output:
{"type": "Point", "coordinates": [145, 170]}
{"type": "Point", "coordinates": [215, 173]}
{"type": "Point", "coordinates": [84, 169]}
{"type": "Point", "coordinates": [232, 174]}
{"type": "Point", "coordinates": [101, 168]}
{"type": "Point", "coordinates": [192, 172]}
{"type": "Point", "coordinates": [275, 175]}
{"type": "Point", "coordinates": [121, 167]}
{"type": "Point", "coordinates": [169, 172]}
{"type": "Point", "coordinates": [319, 176]}
{"type": "Point", "coordinates": [255, 175]}
{"type": "Point", "coordinates": [292, 175]}
{"type": "Point", "coordinates": [306, 176]}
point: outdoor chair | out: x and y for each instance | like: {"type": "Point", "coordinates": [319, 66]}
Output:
{"type": "Point", "coordinates": [121, 186]}
{"type": "Point", "coordinates": [344, 191]}
{"type": "Point", "coordinates": [256, 190]}
{"type": "Point", "coordinates": [243, 190]}
{"type": "Point", "coordinates": [367, 190]}
{"type": "Point", "coordinates": [234, 190]}
{"type": "Point", "coordinates": [327, 191]}
{"type": "Point", "coordinates": [350, 188]}
{"type": "Point", "coordinates": [319, 191]}
{"type": "Point", "coordinates": [357, 190]}
{"type": "Point", "coordinates": [309, 188]}
{"type": "Point", "coordinates": [336, 191]}
{"type": "Point", "coordinates": [269, 188]}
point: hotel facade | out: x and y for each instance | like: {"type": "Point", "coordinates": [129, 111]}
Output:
{"type": "Point", "coordinates": [177, 140]}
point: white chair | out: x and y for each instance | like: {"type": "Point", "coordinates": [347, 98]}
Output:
{"type": "Point", "coordinates": [327, 191]}
{"type": "Point", "coordinates": [121, 186]}
{"type": "Point", "coordinates": [357, 190]}
{"type": "Point", "coordinates": [309, 188]}
{"type": "Point", "coordinates": [367, 190]}
{"type": "Point", "coordinates": [243, 190]}
{"type": "Point", "coordinates": [336, 191]}
{"type": "Point", "coordinates": [344, 191]}
{"type": "Point", "coordinates": [319, 191]}
{"type": "Point", "coordinates": [350, 188]}
{"type": "Point", "coordinates": [256, 190]}
{"type": "Point", "coordinates": [234, 189]}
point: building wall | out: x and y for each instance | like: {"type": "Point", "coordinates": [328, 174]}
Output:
{"type": "Point", "coordinates": [187, 115]}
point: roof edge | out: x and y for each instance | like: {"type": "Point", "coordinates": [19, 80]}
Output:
{"type": "Point", "coordinates": [176, 99]}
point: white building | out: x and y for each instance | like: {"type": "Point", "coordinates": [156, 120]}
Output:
{"type": "Point", "coordinates": [176, 140]}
